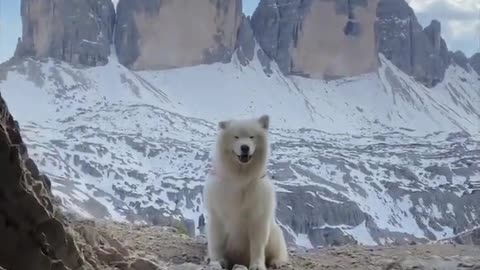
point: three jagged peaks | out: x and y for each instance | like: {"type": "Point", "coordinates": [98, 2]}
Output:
{"type": "Point", "coordinates": [313, 38]}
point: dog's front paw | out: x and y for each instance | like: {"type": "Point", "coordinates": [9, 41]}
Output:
{"type": "Point", "coordinates": [275, 264]}
{"type": "Point", "coordinates": [257, 267]}
{"type": "Point", "coordinates": [218, 264]}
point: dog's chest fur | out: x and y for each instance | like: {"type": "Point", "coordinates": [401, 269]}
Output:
{"type": "Point", "coordinates": [236, 201]}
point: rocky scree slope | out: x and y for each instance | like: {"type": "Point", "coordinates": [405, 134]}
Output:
{"type": "Point", "coordinates": [37, 237]}
{"type": "Point", "coordinates": [374, 159]}
{"type": "Point", "coordinates": [116, 146]}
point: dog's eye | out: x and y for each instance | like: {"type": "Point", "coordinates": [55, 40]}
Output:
{"type": "Point", "coordinates": [252, 137]}
{"type": "Point", "coordinates": [236, 137]}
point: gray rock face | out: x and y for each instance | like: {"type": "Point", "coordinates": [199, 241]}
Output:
{"type": "Point", "coordinates": [33, 237]}
{"type": "Point", "coordinates": [460, 59]}
{"type": "Point", "coordinates": [78, 32]}
{"type": "Point", "coordinates": [163, 34]}
{"type": "Point", "coordinates": [475, 62]}
{"type": "Point", "coordinates": [419, 52]}
{"type": "Point", "coordinates": [293, 34]}
{"type": "Point", "coordinates": [245, 42]}
{"type": "Point", "coordinates": [471, 237]}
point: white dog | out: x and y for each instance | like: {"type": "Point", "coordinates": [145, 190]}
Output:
{"type": "Point", "coordinates": [240, 199]}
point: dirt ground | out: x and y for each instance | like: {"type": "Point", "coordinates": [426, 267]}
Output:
{"type": "Point", "coordinates": [108, 245]}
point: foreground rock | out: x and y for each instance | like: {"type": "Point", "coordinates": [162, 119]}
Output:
{"type": "Point", "coordinates": [32, 236]}
{"type": "Point", "coordinates": [318, 39]}
{"type": "Point", "coordinates": [78, 32]}
{"type": "Point", "coordinates": [165, 248]}
{"type": "Point", "coordinates": [155, 34]}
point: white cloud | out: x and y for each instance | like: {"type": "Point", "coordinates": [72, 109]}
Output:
{"type": "Point", "coordinates": [468, 6]}
{"type": "Point", "coordinates": [461, 29]}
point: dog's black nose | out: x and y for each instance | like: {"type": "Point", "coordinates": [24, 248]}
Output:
{"type": "Point", "coordinates": [245, 149]}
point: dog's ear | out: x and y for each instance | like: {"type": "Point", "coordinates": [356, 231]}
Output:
{"type": "Point", "coordinates": [264, 121]}
{"type": "Point", "coordinates": [223, 124]}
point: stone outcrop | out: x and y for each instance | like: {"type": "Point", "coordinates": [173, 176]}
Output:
{"type": "Point", "coordinates": [471, 237]}
{"type": "Point", "coordinates": [318, 38]}
{"type": "Point", "coordinates": [245, 47]}
{"type": "Point", "coordinates": [32, 237]}
{"type": "Point", "coordinates": [475, 62]}
{"type": "Point", "coordinates": [421, 53]}
{"type": "Point", "coordinates": [163, 34]}
{"type": "Point", "coordinates": [78, 32]}
{"type": "Point", "coordinates": [460, 60]}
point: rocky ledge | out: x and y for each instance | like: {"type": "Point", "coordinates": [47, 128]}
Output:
{"type": "Point", "coordinates": [164, 248]}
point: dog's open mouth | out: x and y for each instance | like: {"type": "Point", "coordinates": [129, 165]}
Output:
{"type": "Point", "coordinates": [244, 158]}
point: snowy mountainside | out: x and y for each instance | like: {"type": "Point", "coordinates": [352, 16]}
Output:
{"type": "Point", "coordinates": [376, 158]}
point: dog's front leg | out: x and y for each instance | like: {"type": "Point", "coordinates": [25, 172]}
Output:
{"type": "Point", "coordinates": [258, 232]}
{"type": "Point", "coordinates": [216, 240]}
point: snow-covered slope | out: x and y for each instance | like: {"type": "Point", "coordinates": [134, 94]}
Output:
{"type": "Point", "coordinates": [378, 157]}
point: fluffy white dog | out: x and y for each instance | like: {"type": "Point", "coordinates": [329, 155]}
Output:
{"type": "Point", "coordinates": [240, 199]}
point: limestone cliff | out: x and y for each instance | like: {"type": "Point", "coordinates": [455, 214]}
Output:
{"type": "Point", "coordinates": [421, 53]}
{"type": "Point", "coordinates": [78, 32]}
{"type": "Point", "coordinates": [318, 38]}
{"type": "Point", "coordinates": [163, 34]}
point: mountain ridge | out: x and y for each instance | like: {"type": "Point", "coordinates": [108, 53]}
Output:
{"type": "Point", "coordinates": [419, 52]}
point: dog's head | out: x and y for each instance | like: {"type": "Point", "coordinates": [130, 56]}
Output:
{"type": "Point", "coordinates": [244, 141]}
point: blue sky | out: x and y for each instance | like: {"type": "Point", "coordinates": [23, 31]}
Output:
{"type": "Point", "coordinates": [249, 6]}
{"type": "Point", "coordinates": [460, 22]}
{"type": "Point", "coordinates": [10, 27]}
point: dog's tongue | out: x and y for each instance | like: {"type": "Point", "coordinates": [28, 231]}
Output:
{"type": "Point", "coordinates": [244, 158]}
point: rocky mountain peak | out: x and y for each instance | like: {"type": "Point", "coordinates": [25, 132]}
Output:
{"type": "Point", "coordinates": [293, 33]}
{"type": "Point", "coordinates": [78, 32]}
{"type": "Point", "coordinates": [311, 38]}
{"type": "Point", "coordinates": [475, 62]}
{"type": "Point", "coordinates": [421, 53]}
{"type": "Point", "coordinates": [164, 34]}
{"type": "Point", "coordinates": [459, 58]}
